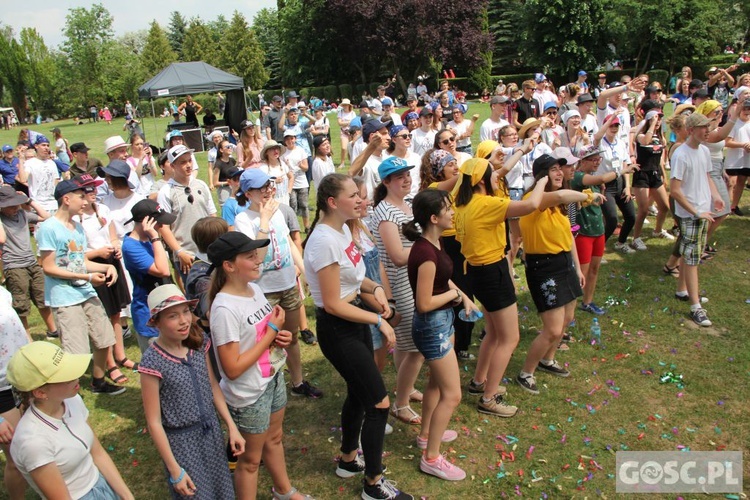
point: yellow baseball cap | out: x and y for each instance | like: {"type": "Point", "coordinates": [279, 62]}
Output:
{"type": "Point", "coordinates": [40, 363]}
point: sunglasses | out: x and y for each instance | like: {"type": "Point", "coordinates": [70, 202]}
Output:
{"type": "Point", "coordinates": [550, 113]}
{"type": "Point", "coordinates": [403, 136]}
{"type": "Point", "coordinates": [189, 193]}
{"type": "Point", "coordinates": [447, 141]}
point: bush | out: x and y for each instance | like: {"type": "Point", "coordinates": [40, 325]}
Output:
{"type": "Point", "coordinates": [331, 93]}
{"type": "Point", "coordinates": [305, 92]}
{"type": "Point", "coordinates": [346, 91]}
{"type": "Point", "coordinates": [658, 75]}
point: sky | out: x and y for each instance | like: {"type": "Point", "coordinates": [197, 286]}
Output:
{"type": "Point", "coordinates": [48, 16]}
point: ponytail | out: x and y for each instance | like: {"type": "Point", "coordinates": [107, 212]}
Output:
{"type": "Point", "coordinates": [379, 195]}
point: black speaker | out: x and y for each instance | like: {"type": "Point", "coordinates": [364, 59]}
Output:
{"type": "Point", "coordinates": [193, 139]}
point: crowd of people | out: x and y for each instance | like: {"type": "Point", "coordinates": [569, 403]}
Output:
{"type": "Point", "coordinates": [397, 254]}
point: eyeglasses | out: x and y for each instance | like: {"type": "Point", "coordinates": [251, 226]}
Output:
{"type": "Point", "coordinates": [658, 91]}
{"type": "Point", "coordinates": [531, 88]}
{"type": "Point", "coordinates": [190, 198]}
{"type": "Point", "coordinates": [403, 136]}
{"type": "Point", "coordinates": [447, 141]}
{"type": "Point", "coordinates": [268, 186]}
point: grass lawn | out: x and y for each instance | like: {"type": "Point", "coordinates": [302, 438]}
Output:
{"type": "Point", "coordinates": [562, 443]}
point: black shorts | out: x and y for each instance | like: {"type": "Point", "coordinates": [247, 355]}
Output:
{"type": "Point", "coordinates": [552, 279]}
{"type": "Point", "coordinates": [649, 179]}
{"type": "Point", "coordinates": [7, 401]}
{"type": "Point", "coordinates": [734, 172]}
{"type": "Point", "coordinates": [492, 285]}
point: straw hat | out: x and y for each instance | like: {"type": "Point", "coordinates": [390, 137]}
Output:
{"type": "Point", "coordinates": [529, 124]}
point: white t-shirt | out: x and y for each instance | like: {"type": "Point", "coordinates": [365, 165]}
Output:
{"type": "Point", "coordinates": [40, 440]}
{"type": "Point", "coordinates": [590, 125]}
{"type": "Point", "coordinates": [357, 147]}
{"type": "Point", "coordinates": [692, 167]}
{"type": "Point", "coordinates": [293, 157]}
{"type": "Point", "coordinates": [422, 141]}
{"type": "Point", "coordinates": [43, 177]}
{"type": "Point", "coordinates": [279, 172]}
{"type": "Point", "coordinates": [490, 130]}
{"type": "Point", "coordinates": [13, 337]}
{"type": "Point", "coordinates": [120, 211]}
{"type": "Point", "coordinates": [341, 114]}
{"type": "Point", "coordinates": [243, 320]}
{"type": "Point", "coordinates": [327, 246]}
{"type": "Point", "coordinates": [370, 173]}
{"type": "Point", "coordinates": [97, 235]}
{"type": "Point", "coordinates": [395, 118]}
{"type": "Point", "coordinates": [461, 129]}
{"type": "Point", "coordinates": [321, 168]}
{"type": "Point", "coordinates": [614, 156]}
{"type": "Point", "coordinates": [738, 157]}
{"type": "Point", "coordinates": [277, 269]}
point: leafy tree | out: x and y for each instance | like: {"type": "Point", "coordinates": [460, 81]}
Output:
{"type": "Point", "coordinates": [265, 26]}
{"type": "Point", "coordinates": [565, 35]}
{"type": "Point", "coordinates": [242, 54]}
{"type": "Point", "coordinates": [38, 69]}
{"type": "Point", "coordinates": [134, 41]}
{"type": "Point", "coordinates": [481, 75]}
{"type": "Point", "coordinates": [218, 29]}
{"type": "Point", "coordinates": [123, 74]}
{"type": "Point", "coordinates": [157, 53]}
{"type": "Point", "coordinates": [88, 33]}
{"type": "Point", "coordinates": [505, 27]}
{"type": "Point", "coordinates": [11, 71]}
{"type": "Point", "coordinates": [197, 45]}
{"type": "Point", "coordinates": [176, 32]}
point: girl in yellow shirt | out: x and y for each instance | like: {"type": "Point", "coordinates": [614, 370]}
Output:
{"type": "Point", "coordinates": [480, 228]}
{"type": "Point", "coordinates": [553, 273]}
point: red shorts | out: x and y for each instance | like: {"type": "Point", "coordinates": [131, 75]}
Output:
{"type": "Point", "coordinates": [589, 246]}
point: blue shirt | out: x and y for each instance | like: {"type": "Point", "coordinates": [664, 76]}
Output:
{"type": "Point", "coordinates": [9, 171]}
{"type": "Point", "coordinates": [139, 257]}
{"type": "Point", "coordinates": [69, 247]}
{"type": "Point", "coordinates": [230, 210]}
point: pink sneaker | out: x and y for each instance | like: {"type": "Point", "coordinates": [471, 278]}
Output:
{"type": "Point", "coordinates": [448, 436]}
{"type": "Point", "coordinates": [442, 468]}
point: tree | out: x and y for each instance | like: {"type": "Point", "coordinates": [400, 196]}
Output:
{"type": "Point", "coordinates": [157, 53]}
{"type": "Point", "coordinates": [504, 25]}
{"type": "Point", "coordinates": [38, 70]}
{"type": "Point", "coordinates": [123, 73]}
{"type": "Point", "coordinates": [11, 71]}
{"type": "Point", "coordinates": [88, 33]}
{"type": "Point", "coordinates": [218, 29]}
{"type": "Point", "coordinates": [176, 32]}
{"type": "Point", "coordinates": [197, 45]}
{"type": "Point", "coordinates": [241, 53]}
{"type": "Point", "coordinates": [565, 35]}
{"type": "Point", "coordinates": [265, 26]}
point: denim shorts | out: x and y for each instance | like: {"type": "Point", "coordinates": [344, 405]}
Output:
{"type": "Point", "coordinates": [256, 418]}
{"type": "Point", "coordinates": [432, 333]}
{"type": "Point", "coordinates": [101, 491]}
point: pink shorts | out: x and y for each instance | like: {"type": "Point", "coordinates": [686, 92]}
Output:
{"type": "Point", "coordinates": [589, 246]}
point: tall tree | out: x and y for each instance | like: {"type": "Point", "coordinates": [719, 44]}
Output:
{"type": "Point", "coordinates": [157, 53]}
{"type": "Point", "coordinates": [38, 70]}
{"type": "Point", "coordinates": [11, 71]}
{"type": "Point", "coordinates": [241, 53]}
{"type": "Point", "coordinates": [123, 74]}
{"type": "Point", "coordinates": [218, 28]}
{"type": "Point", "coordinates": [265, 26]}
{"type": "Point", "coordinates": [176, 32]}
{"type": "Point", "coordinates": [197, 45]}
{"type": "Point", "coordinates": [505, 26]}
{"type": "Point", "coordinates": [87, 33]}
{"type": "Point", "coordinates": [565, 35]}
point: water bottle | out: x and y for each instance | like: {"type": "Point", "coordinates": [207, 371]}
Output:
{"type": "Point", "coordinates": [596, 334]}
{"type": "Point", "coordinates": [473, 317]}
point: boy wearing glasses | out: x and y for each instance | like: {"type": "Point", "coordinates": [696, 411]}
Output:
{"type": "Point", "coordinates": [190, 200]}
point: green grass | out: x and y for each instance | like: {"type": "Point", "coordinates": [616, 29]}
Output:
{"type": "Point", "coordinates": [612, 401]}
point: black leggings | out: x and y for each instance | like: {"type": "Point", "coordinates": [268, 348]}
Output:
{"type": "Point", "coordinates": [612, 202]}
{"type": "Point", "coordinates": [462, 328]}
{"type": "Point", "coordinates": [348, 346]}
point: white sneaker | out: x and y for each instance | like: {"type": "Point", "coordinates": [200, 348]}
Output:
{"type": "Point", "coordinates": [624, 247]}
{"type": "Point", "coordinates": [388, 429]}
{"type": "Point", "coordinates": [653, 210]}
{"type": "Point", "coordinates": [638, 244]}
{"type": "Point", "coordinates": [664, 234]}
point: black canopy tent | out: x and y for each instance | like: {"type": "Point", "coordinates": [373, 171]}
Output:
{"type": "Point", "coordinates": [193, 78]}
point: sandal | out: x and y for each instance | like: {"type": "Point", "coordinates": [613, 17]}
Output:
{"type": "Point", "coordinates": [288, 496]}
{"type": "Point", "coordinates": [413, 419]}
{"type": "Point", "coordinates": [672, 271]}
{"type": "Point", "coordinates": [416, 396]}
{"type": "Point", "coordinates": [117, 380]}
{"type": "Point", "coordinates": [121, 363]}
{"type": "Point", "coordinates": [710, 249]}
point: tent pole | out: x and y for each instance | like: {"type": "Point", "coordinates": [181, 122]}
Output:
{"type": "Point", "coordinates": [153, 117]}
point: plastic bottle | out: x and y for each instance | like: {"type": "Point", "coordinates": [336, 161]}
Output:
{"type": "Point", "coordinates": [471, 318]}
{"type": "Point", "coordinates": [596, 334]}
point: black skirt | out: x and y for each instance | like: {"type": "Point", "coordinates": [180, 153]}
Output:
{"type": "Point", "coordinates": [115, 297]}
{"type": "Point", "coordinates": [552, 279]}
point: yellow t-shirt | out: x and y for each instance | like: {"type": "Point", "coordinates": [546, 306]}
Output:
{"type": "Point", "coordinates": [546, 232]}
{"type": "Point", "coordinates": [480, 228]}
{"type": "Point", "coordinates": [451, 231]}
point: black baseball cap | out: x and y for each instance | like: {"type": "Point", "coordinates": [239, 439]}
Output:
{"type": "Point", "coordinates": [229, 245]}
{"type": "Point", "coordinates": [150, 208]}
{"type": "Point", "coordinates": [545, 162]}
{"type": "Point", "coordinates": [79, 147]}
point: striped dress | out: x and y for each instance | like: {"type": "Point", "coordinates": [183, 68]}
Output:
{"type": "Point", "coordinates": [398, 276]}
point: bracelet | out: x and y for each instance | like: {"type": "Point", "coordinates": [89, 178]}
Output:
{"type": "Point", "coordinates": [380, 321]}
{"type": "Point", "coordinates": [180, 478]}
{"type": "Point", "coordinates": [261, 230]}
{"type": "Point", "coordinates": [273, 327]}
{"type": "Point", "coordinates": [458, 293]}
{"type": "Point", "coordinates": [90, 276]}
{"type": "Point", "coordinates": [376, 287]}
{"type": "Point", "coordinates": [154, 240]}
{"type": "Point", "coordinates": [177, 252]}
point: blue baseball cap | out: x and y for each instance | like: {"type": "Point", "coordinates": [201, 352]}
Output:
{"type": "Point", "coordinates": [387, 101]}
{"type": "Point", "coordinates": [372, 126]}
{"type": "Point", "coordinates": [7, 147]}
{"type": "Point", "coordinates": [392, 165]}
{"type": "Point", "coordinates": [174, 133]}
{"type": "Point", "coordinates": [582, 73]}
{"type": "Point", "coordinates": [356, 123]}
{"type": "Point", "coordinates": [550, 105]}
{"type": "Point", "coordinates": [253, 178]}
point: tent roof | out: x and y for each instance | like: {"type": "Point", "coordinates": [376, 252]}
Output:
{"type": "Point", "coordinates": [189, 78]}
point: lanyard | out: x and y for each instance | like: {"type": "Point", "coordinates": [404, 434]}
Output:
{"type": "Point", "coordinates": [612, 148]}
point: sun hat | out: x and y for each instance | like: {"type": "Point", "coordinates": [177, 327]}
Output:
{"type": "Point", "coordinates": [9, 197]}
{"type": "Point", "coordinates": [587, 151]}
{"type": "Point", "coordinates": [392, 165]}
{"type": "Point", "coordinates": [346, 102]}
{"type": "Point", "coordinates": [150, 208]}
{"type": "Point", "coordinates": [229, 245]}
{"type": "Point", "coordinates": [40, 363]}
{"type": "Point", "coordinates": [684, 107]}
{"type": "Point", "coordinates": [114, 142]}
{"type": "Point", "coordinates": [270, 144]}
{"type": "Point", "coordinates": [545, 162]}
{"type": "Point", "coordinates": [528, 124]}
{"type": "Point", "coordinates": [166, 296]}
{"type": "Point", "coordinates": [215, 133]}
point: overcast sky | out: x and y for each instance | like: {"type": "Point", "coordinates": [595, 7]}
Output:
{"type": "Point", "coordinates": [48, 16]}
